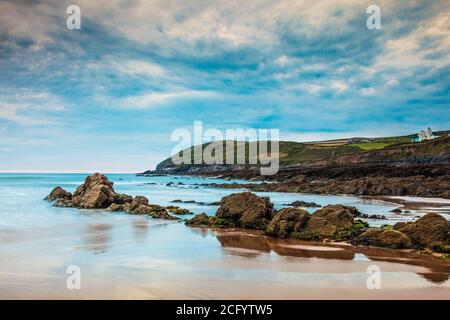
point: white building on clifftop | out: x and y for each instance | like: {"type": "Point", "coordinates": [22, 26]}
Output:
{"type": "Point", "coordinates": [424, 135]}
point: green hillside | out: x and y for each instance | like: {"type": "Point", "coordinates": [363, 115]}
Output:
{"type": "Point", "coordinates": [294, 153]}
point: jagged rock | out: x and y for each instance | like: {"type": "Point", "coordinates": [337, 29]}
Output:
{"type": "Point", "coordinates": [286, 221]}
{"type": "Point", "coordinates": [304, 204]}
{"type": "Point", "coordinates": [429, 229]}
{"type": "Point", "coordinates": [245, 210]}
{"type": "Point", "coordinates": [137, 201]}
{"type": "Point", "coordinates": [201, 219]}
{"type": "Point", "coordinates": [58, 193]}
{"type": "Point", "coordinates": [380, 237]}
{"type": "Point", "coordinates": [96, 192]}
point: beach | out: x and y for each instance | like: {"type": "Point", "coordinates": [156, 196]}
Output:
{"type": "Point", "coordinates": [124, 256]}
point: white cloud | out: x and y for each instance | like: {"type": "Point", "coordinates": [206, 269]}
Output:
{"type": "Point", "coordinates": [139, 68]}
{"type": "Point", "coordinates": [152, 99]}
{"type": "Point", "coordinates": [28, 107]}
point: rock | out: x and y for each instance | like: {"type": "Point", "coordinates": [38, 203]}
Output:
{"type": "Point", "coordinates": [63, 203]}
{"type": "Point", "coordinates": [245, 210]}
{"type": "Point", "coordinates": [397, 210]}
{"type": "Point", "coordinates": [304, 204]}
{"type": "Point", "coordinates": [317, 228]}
{"type": "Point", "coordinates": [58, 193]}
{"type": "Point", "coordinates": [286, 221]}
{"type": "Point", "coordinates": [429, 229]}
{"type": "Point", "coordinates": [96, 192]}
{"type": "Point", "coordinates": [178, 210]}
{"type": "Point", "coordinates": [116, 207]}
{"type": "Point", "coordinates": [372, 216]}
{"type": "Point", "coordinates": [383, 238]}
{"type": "Point", "coordinates": [338, 215]}
{"type": "Point", "coordinates": [138, 201]}
{"type": "Point", "coordinates": [120, 198]}
{"type": "Point", "coordinates": [201, 219]}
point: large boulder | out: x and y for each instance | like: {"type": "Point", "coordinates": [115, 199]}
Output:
{"type": "Point", "coordinates": [245, 210]}
{"type": "Point", "coordinates": [317, 227]}
{"type": "Point", "coordinates": [380, 237]}
{"type": "Point", "coordinates": [96, 192]}
{"type": "Point", "coordinates": [58, 193]}
{"type": "Point", "coordinates": [429, 229]}
{"type": "Point", "coordinates": [332, 222]}
{"type": "Point", "coordinates": [338, 215]}
{"type": "Point", "coordinates": [286, 221]}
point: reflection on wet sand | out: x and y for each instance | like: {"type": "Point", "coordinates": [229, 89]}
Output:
{"type": "Point", "coordinates": [439, 271]}
{"type": "Point", "coordinates": [97, 237]}
{"type": "Point", "coordinates": [140, 228]}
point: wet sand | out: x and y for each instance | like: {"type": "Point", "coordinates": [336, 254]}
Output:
{"type": "Point", "coordinates": [243, 265]}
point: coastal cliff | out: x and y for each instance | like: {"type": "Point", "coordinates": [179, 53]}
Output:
{"type": "Point", "coordinates": [393, 166]}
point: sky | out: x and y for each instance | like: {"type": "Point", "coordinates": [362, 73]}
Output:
{"type": "Point", "coordinates": [107, 97]}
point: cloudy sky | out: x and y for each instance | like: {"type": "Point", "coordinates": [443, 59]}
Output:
{"type": "Point", "coordinates": [107, 97]}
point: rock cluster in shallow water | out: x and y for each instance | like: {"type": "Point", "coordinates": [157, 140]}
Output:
{"type": "Point", "coordinates": [329, 223]}
{"type": "Point", "coordinates": [97, 192]}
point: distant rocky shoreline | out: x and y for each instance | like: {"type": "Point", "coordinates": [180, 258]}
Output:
{"type": "Point", "coordinates": [363, 180]}
{"type": "Point", "coordinates": [410, 169]}
{"type": "Point", "coordinates": [246, 210]}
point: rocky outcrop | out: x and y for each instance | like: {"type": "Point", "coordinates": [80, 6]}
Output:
{"type": "Point", "coordinates": [287, 221]}
{"type": "Point", "coordinates": [426, 231]}
{"type": "Point", "coordinates": [380, 237]}
{"type": "Point", "coordinates": [96, 192]}
{"type": "Point", "coordinates": [245, 210]}
{"type": "Point", "coordinates": [57, 194]}
{"type": "Point", "coordinates": [375, 179]}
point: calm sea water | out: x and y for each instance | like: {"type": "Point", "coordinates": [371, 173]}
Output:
{"type": "Point", "coordinates": [126, 256]}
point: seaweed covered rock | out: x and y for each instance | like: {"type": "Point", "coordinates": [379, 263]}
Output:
{"type": "Point", "coordinates": [286, 221]}
{"type": "Point", "coordinates": [245, 210]}
{"type": "Point", "coordinates": [120, 198]}
{"type": "Point", "coordinates": [337, 215]}
{"type": "Point", "coordinates": [201, 219]}
{"type": "Point", "coordinates": [178, 210]}
{"type": "Point", "coordinates": [380, 237]}
{"type": "Point", "coordinates": [333, 222]}
{"type": "Point", "coordinates": [58, 193]}
{"type": "Point", "coordinates": [96, 192]}
{"type": "Point", "coordinates": [430, 229]}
